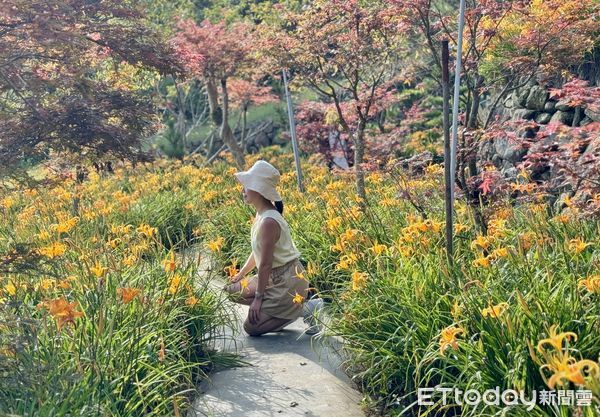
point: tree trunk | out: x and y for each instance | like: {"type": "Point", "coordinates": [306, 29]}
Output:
{"type": "Point", "coordinates": [335, 147]}
{"type": "Point", "coordinates": [577, 116]}
{"type": "Point", "coordinates": [216, 113]}
{"type": "Point", "coordinates": [359, 152]}
{"type": "Point", "coordinates": [243, 141]}
{"type": "Point", "coordinates": [474, 111]}
{"type": "Point", "coordinates": [381, 121]}
{"type": "Point", "coordinates": [181, 124]}
{"type": "Point", "coordinates": [226, 134]}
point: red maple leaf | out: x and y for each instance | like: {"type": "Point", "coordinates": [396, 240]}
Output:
{"type": "Point", "coordinates": [485, 185]}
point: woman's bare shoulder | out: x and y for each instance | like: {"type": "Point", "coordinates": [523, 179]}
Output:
{"type": "Point", "coordinates": [269, 227]}
{"type": "Point", "coordinates": [269, 223]}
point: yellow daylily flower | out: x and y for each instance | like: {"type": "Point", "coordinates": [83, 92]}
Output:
{"type": "Point", "coordinates": [350, 235]}
{"type": "Point", "coordinates": [482, 242]}
{"type": "Point", "coordinates": [448, 337]}
{"type": "Point", "coordinates": [53, 250]}
{"type": "Point", "coordinates": [494, 311]}
{"type": "Point", "coordinates": [99, 270]}
{"type": "Point", "coordinates": [436, 227]}
{"type": "Point", "coordinates": [65, 226]}
{"type": "Point", "coordinates": [482, 261]}
{"type": "Point", "coordinates": [130, 260]}
{"type": "Point", "coordinates": [555, 339]}
{"type": "Point", "coordinates": [169, 263]}
{"type": "Point", "coordinates": [499, 253]}
{"type": "Point", "coordinates": [217, 244]}
{"type": "Point", "coordinates": [299, 274]}
{"type": "Point", "coordinates": [592, 284]}
{"type": "Point", "coordinates": [10, 288]}
{"type": "Point", "coordinates": [566, 368]}
{"type": "Point", "coordinates": [175, 283]}
{"type": "Point", "coordinates": [146, 230]}
{"type": "Point", "coordinates": [7, 202]}
{"type": "Point", "coordinates": [346, 261]}
{"type": "Point", "coordinates": [578, 245]}
{"type": "Point", "coordinates": [298, 299]}
{"type": "Point", "coordinates": [113, 243]}
{"type": "Point", "coordinates": [359, 279]}
{"type": "Point", "coordinates": [378, 249]}
{"type": "Point", "coordinates": [191, 300]}
{"type": "Point", "coordinates": [47, 283]}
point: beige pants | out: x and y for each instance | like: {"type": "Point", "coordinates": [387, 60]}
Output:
{"type": "Point", "coordinates": [266, 323]}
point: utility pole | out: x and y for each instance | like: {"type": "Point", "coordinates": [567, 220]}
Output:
{"type": "Point", "coordinates": [290, 109]}
{"type": "Point", "coordinates": [447, 152]}
{"type": "Point", "coordinates": [457, 71]}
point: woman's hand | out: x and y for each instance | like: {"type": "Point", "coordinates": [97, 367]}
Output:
{"type": "Point", "coordinates": [237, 277]}
{"type": "Point", "coordinates": [254, 311]}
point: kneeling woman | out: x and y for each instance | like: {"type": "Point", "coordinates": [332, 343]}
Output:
{"type": "Point", "coordinates": [276, 293]}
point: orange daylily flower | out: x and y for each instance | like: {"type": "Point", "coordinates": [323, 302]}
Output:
{"type": "Point", "coordinates": [128, 294]}
{"type": "Point", "coordinates": [63, 311]}
{"type": "Point", "coordinates": [232, 269]}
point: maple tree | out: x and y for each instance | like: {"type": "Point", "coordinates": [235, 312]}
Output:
{"type": "Point", "coordinates": [560, 158]}
{"type": "Point", "coordinates": [346, 51]}
{"type": "Point", "coordinates": [506, 45]}
{"type": "Point", "coordinates": [320, 133]}
{"type": "Point", "coordinates": [216, 53]}
{"type": "Point", "coordinates": [243, 94]}
{"type": "Point", "coordinates": [55, 92]}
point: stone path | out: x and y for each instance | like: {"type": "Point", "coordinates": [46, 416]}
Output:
{"type": "Point", "coordinates": [291, 374]}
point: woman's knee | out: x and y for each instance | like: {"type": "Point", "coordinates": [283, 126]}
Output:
{"type": "Point", "coordinates": [252, 330]}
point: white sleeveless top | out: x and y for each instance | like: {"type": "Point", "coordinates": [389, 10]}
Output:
{"type": "Point", "coordinates": [284, 250]}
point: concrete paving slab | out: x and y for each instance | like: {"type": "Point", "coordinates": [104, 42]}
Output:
{"type": "Point", "coordinates": [291, 374]}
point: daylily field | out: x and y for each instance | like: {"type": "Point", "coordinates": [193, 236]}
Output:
{"type": "Point", "coordinates": [100, 317]}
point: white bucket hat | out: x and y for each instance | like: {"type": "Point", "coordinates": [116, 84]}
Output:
{"type": "Point", "coordinates": [262, 178]}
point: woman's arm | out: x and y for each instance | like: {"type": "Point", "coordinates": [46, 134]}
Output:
{"type": "Point", "coordinates": [268, 235]}
{"type": "Point", "coordinates": [248, 266]}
